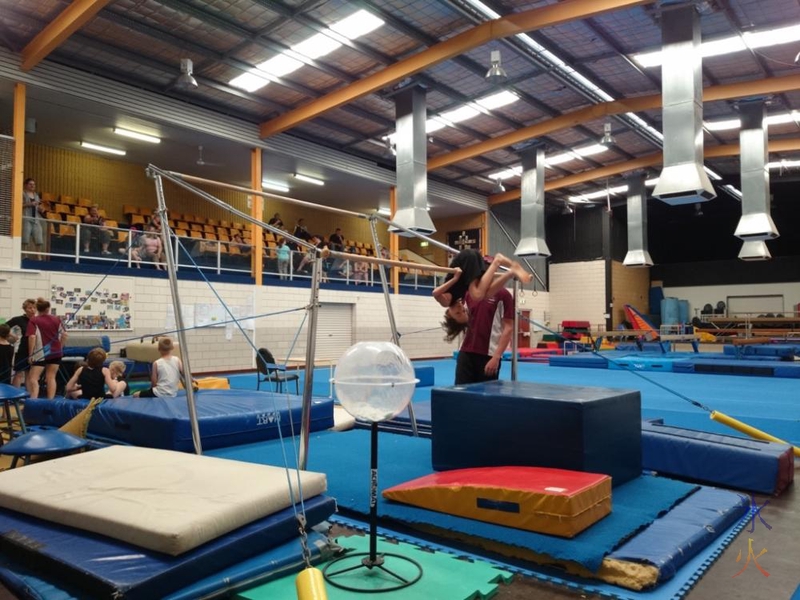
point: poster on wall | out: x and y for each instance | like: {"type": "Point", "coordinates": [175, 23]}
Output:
{"type": "Point", "coordinates": [465, 239]}
{"type": "Point", "coordinates": [82, 307]}
{"type": "Point", "coordinates": [209, 315]}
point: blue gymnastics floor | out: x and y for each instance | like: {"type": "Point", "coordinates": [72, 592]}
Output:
{"type": "Point", "coordinates": [767, 403]}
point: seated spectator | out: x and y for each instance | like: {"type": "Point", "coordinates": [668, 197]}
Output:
{"type": "Point", "coordinates": [276, 221]}
{"type": "Point", "coordinates": [310, 255]}
{"type": "Point", "coordinates": [95, 231]}
{"type": "Point", "coordinates": [147, 247]}
{"type": "Point", "coordinates": [360, 272]}
{"type": "Point", "coordinates": [300, 231]}
{"type": "Point", "coordinates": [90, 381]}
{"type": "Point", "coordinates": [336, 241]}
{"type": "Point", "coordinates": [155, 221]}
{"type": "Point", "coordinates": [117, 371]}
{"type": "Point", "coordinates": [244, 247]}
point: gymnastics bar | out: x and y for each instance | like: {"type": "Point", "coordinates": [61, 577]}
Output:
{"type": "Point", "coordinates": [388, 262]}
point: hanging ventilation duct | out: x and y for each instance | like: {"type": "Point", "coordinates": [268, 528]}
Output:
{"type": "Point", "coordinates": [682, 180]}
{"type": "Point", "coordinates": [756, 222]}
{"type": "Point", "coordinates": [754, 251]}
{"type": "Point", "coordinates": [412, 163]}
{"type": "Point", "coordinates": [532, 241]}
{"type": "Point", "coordinates": [637, 255]}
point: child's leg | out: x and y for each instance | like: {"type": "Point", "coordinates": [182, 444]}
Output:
{"type": "Point", "coordinates": [490, 282]}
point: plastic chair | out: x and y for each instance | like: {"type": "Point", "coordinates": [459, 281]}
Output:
{"type": "Point", "coordinates": [41, 443]}
{"type": "Point", "coordinates": [268, 371]}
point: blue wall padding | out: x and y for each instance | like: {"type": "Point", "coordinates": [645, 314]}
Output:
{"type": "Point", "coordinates": [226, 418]}
{"type": "Point", "coordinates": [517, 423]}
{"type": "Point", "coordinates": [785, 351]}
{"type": "Point", "coordinates": [80, 346]}
{"type": "Point", "coordinates": [584, 360]}
{"type": "Point", "coordinates": [641, 363]}
{"type": "Point", "coordinates": [426, 376]}
{"type": "Point", "coordinates": [724, 460]}
{"type": "Point", "coordinates": [104, 567]}
{"type": "Point", "coordinates": [672, 540]}
{"type": "Point", "coordinates": [792, 371]}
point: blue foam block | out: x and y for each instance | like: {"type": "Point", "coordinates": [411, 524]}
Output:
{"type": "Point", "coordinates": [80, 346]}
{"type": "Point", "coordinates": [641, 363]}
{"type": "Point", "coordinates": [226, 417]}
{"type": "Point", "coordinates": [108, 568]}
{"type": "Point", "coordinates": [683, 366]}
{"type": "Point", "coordinates": [426, 376]}
{"type": "Point", "coordinates": [675, 538]}
{"type": "Point", "coordinates": [724, 460]}
{"type": "Point", "coordinates": [790, 370]}
{"type": "Point", "coordinates": [584, 360]}
{"type": "Point", "coordinates": [515, 423]}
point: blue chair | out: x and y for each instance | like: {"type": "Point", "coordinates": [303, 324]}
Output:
{"type": "Point", "coordinates": [44, 442]}
{"type": "Point", "coordinates": [10, 396]}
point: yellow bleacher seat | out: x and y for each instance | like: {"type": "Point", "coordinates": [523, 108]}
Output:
{"type": "Point", "coordinates": [72, 218]}
{"type": "Point", "coordinates": [81, 211]}
{"type": "Point", "coordinates": [48, 197]}
{"type": "Point", "coordinates": [66, 199]}
{"type": "Point", "coordinates": [85, 202]}
{"type": "Point", "coordinates": [137, 219]}
{"type": "Point", "coordinates": [128, 210]}
{"type": "Point", "coordinates": [196, 234]}
{"type": "Point", "coordinates": [111, 223]}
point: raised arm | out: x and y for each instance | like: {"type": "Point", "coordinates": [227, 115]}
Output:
{"type": "Point", "coordinates": [439, 294]}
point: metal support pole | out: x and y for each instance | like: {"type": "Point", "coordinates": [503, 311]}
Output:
{"type": "Point", "coordinates": [525, 260]}
{"type": "Point", "coordinates": [515, 336]}
{"type": "Point", "coordinates": [176, 305]}
{"type": "Point", "coordinates": [390, 312]}
{"type": "Point", "coordinates": [311, 347]}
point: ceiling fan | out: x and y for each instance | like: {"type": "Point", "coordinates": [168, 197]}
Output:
{"type": "Point", "coordinates": [202, 162]}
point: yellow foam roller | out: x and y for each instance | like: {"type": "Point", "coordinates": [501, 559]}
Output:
{"type": "Point", "coordinates": [748, 430]}
{"type": "Point", "coordinates": [310, 585]}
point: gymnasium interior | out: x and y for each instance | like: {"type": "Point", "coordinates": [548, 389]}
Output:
{"type": "Point", "coordinates": [270, 192]}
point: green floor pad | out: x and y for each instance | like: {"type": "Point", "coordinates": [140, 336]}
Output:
{"type": "Point", "coordinates": [444, 577]}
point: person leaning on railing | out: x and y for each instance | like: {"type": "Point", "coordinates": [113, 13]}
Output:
{"type": "Point", "coordinates": [96, 230]}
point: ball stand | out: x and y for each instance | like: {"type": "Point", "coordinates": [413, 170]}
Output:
{"type": "Point", "coordinates": [377, 576]}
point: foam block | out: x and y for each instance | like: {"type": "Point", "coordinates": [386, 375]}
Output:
{"type": "Point", "coordinates": [724, 460]}
{"type": "Point", "coordinates": [426, 376]}
{"type": "Point", "coordinates": [517, 423]}
{"type": "Point", "coordinates": [551, 501]}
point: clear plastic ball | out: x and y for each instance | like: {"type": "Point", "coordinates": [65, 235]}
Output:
{"type": "Point", "coordinates": [374, 381]}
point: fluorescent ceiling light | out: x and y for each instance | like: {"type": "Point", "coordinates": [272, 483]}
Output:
{"type": "Point", "coordinates": [434, 124]}
{"type": "Point", "coordinates": [713, 174]}
{"type": "Point", "coordinates": [506, 173]}
{"type": "Point", "coordinates": [274, 186]}
{"type": "Point", "coordinates": [308, 179]}
{"type": "Point", "coordinates": [137, 136]}
{"type": "Point", "coordinates": [590, 150]}
{"type": "Point", "coordinates": [358, 24]}
{"type": "Point", "coordinates": [99, 148]}
{"type": "Point", "coordinates": [462, 113]}
{"type": "Point", "coordinates": [249, 82]}
{"type": "Point", "coordinates": [733, 191]}
{"type": "Point", "coordinates": [784, 164]}
{"type": "Point", "coordinates": [316, 46]}
{"type": "Point", "coordinates": [382, 210]}
{"type": "Point", "coordinates": [728, 45]}
{"type": "Point", "coordinates": [776, 119]}
{"type": "Point", "coordinates": [651, 182]}
{"type": "Point", "coordinates": [494, 101]}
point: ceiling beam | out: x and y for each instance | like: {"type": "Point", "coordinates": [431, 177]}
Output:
{"type": "Point", "coordinates": [650, 160]}
{"type": "Point", "coordinates": [58, 30]}
{"type": "Point", "coordinates": [513, 24]}
{"type": "Point", "coordinates": [771, 85]}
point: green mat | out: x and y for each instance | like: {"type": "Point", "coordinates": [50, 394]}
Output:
{"type": "Point", "coordinates": [444, 577]}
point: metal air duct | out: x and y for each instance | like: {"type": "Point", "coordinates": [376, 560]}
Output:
{"type": "Point", "coordinates": [637, 255]}
{"type": "Point", "coordinates": [756, 222]}
{"type": "Point", "coordinates": [752, 251]}
{"type": "Point", "coordinates": [532, 241]}
{"type": "Point", "coordinates": [412, 162]}
{"type": "Point", "coordinates": [682, 180]}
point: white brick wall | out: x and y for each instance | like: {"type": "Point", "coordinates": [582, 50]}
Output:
{"type": "Point", "coordinates": [578, 292]}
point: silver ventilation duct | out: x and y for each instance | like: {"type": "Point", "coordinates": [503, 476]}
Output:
{"type": "Point", "coordinates": [532, 241]}
{"type": "Point", "coordinates": [412, 163]}
{"type": "Point", "coordinates": [637, 255]}
{"type": "Point", "coordinates": [756, 222]}
{"type": "Point", "coordinates": [752, 251]}
{"type": "Point", "coordinates": [682, 180]}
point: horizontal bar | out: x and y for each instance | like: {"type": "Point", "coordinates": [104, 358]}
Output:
{"type": "Point", "coordinates": [389, 262]}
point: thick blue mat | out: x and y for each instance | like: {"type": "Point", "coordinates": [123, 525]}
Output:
{"type": "Point", "coordinates": [345, 459]}
{"type": "Point", "coordinates": [105, 567]}
{"type": "Point", "coordinates": [226, 417]}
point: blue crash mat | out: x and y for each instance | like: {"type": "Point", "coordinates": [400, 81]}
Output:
{"type": "Point", "coordinates": [109, 568]}
{"type": "Point", "coordinates": [674, 539]}
{"type": "Point", "coordinates": [226, 418]}
{"type": "Point", "coordinates": [274, 563]}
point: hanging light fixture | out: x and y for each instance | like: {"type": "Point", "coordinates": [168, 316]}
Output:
{"type": "Point", "coordinates": [496, 74]}
{"type": "Point", "coordinates": [498, 188]}
{"type": "Point", "coordinates": [186, 80]}
{"type": "Point", "coordinates": [607, 140]}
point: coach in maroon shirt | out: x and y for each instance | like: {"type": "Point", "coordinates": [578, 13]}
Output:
{"type": "Point", "coordinates": [491, 323]}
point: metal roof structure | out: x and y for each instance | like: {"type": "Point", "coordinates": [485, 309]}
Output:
{"type": "Point", "coordinates": [325, 71]}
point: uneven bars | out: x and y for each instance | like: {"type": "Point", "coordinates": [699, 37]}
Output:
{"type": "Point", "coordinates": [387, 261]}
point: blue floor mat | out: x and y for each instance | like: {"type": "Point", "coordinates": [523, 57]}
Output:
{"type": "Point", "coordinates": [343, 456]}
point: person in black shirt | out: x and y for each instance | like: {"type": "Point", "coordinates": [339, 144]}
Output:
{"type": "Point", "coordinates": [6, 354]}
{"type": "Point", "coordinates": [276, 221]}
{"type": "Point", "coordinates": [19, 325]}
{"type": "Point", "coordinates": [336, 241]}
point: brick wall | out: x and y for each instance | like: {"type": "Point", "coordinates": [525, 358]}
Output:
{"type": "Point", "coordinates": [577, 292]}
